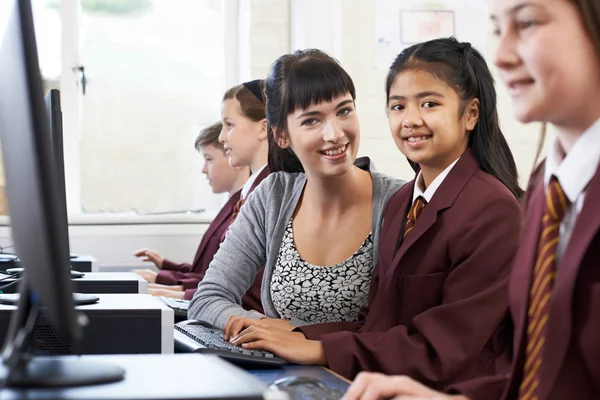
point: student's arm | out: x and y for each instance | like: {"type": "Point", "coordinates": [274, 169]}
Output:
{"type": "Point", "coordinates": [169, 277]}
{"type": "Point", "coordinates": [234, 267]}
{"type": "Point", "coordinates": [485, 388]}
{"type": "Point", "coordinates": [188, 294]}
{"type": "Point", "coordinates": [169, 265]}
{"type": "Point", "coordinates": [474, 304]}
{"type": "Point", "coordinates": [190, 280]}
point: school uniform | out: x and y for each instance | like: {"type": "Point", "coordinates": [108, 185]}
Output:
{"type": "Point", "coordinates": [566, 327]}
{"type": "Point", "coordinates": [190, 275]}
{"type": "Point", "coordinates": [251, 300]}
{"type": "Point", "coordinates": [438, 309]}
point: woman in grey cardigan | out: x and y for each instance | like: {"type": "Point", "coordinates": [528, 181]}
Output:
{"type": "Point", "coordinates": [304, 223]}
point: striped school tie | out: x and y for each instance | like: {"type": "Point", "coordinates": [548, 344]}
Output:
{"type": "Point", "coordinates": [544, 273]}
{"type": "Point", "coordinates": [236, 209]}
{"type": "Point", "coordinates": [413, 214]}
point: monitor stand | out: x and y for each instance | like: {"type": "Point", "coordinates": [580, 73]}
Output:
{"type": "Point", "coordinates": [20, 369]}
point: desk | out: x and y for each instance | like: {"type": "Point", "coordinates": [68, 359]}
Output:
{"type": "Point", "coordinates": [268, 376]}
{"type": "Point", "coordinates": [332, 380]}
{"type": "Point", "coordinates": [80, 263]}
{"type": "Point", "coordinates": [98, 282]}
{"type": "Point", "coordinates": [159, 377]}
{"type": "Point", "coordinates": [118, 324]}
{"type": "Point", "coordinates": [85, 263]}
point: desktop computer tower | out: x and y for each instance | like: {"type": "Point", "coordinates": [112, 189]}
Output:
{"type": "Point", "coordinates": [118, 324]}
{"type": "Point", "coordinates": [96, 282]}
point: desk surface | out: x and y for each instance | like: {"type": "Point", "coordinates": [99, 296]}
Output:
{"type": "Point", "coordinates": [159, 377]}
{"type": "Point", "coordinates": [116, 302]}
{"type": "Point", "coordinates": [268, 376]}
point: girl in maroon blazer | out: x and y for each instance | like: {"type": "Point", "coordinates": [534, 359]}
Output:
{"type": "Point", "coordinates": [437, 302]}
{"type": "Point", "coordinates": [548, 56]}
{"type": "Point", "coordinates": [244, 139]}
{"type": "Point", "coordinates": [179, 280]}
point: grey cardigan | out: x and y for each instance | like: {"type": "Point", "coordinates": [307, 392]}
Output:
{"type": "Point", "coordinates": [254, 239]}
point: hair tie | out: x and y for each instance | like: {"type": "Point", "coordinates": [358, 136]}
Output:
{"type": "Point", "coordinates": [254, 88]}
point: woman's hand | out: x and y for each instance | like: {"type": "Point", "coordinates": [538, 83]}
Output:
{"type": "Point", "coordinates": [236, 324]}
{"type": "Point", "coordinates": [291, 346]}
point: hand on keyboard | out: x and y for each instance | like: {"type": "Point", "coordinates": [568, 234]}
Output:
{"type": "Point", "coordinates": [291, 346]}
{"type": "Point", "coordinates": [211, 341]}
{"type": "Point", "coordinates": [236, 324]}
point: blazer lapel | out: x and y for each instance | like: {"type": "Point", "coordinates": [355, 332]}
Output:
{"type": "Point", "coordinates": [521, 275]}
{"type": "Point", "coordinates": [443, 198]}
{"type": "Point", "coordinates": [560, 319]}
{"type": "Point", "coordinates": [222, 217]}
{"type": "Point", "coordinates": [390, 238]}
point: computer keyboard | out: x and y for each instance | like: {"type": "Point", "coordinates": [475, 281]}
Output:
{"type": "Point", "coordinates": [180, 307]}
{"type": "Point", "coordinates": [210, 340]}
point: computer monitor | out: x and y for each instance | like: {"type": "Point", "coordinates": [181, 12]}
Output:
{"type": "Point", "coordinates": [54, 111]}
{"type": "Point", "coordinates": [37, 214]}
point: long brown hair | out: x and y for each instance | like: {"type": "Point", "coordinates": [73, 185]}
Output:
{"type": "Point", "coordinates": [589, 12]}
{"type": "Point", "coordinates": [252, 107]}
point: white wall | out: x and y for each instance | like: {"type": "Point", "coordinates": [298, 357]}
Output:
{"type": "Point", "coordinates": [353, 43]}
{"type": "Point", "coordinates": [346, 28]}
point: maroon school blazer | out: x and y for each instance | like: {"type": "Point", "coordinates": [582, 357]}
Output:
{"type": "Point", "coordinates": [438, 305]}
{"type": "Point", "coordinates": [571, 363]}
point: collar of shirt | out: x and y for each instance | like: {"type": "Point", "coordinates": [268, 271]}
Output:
{"type": "Point", "coordinates": [575, 170]}
{"type": "Point", "coordinates": [250, 181]}
{"type": "Point", "coordinates": [428, 193]}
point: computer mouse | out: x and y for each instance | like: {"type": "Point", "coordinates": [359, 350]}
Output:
{"type": "Point", "coordinates": [290, 381]}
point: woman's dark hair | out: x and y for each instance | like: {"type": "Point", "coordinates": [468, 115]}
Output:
{"type": "Point", "coordinates": [252, 106]}
{"type": "Point", "coordinates": [463, 68]}
{"type": "Point", "coordinates": [296, 81]}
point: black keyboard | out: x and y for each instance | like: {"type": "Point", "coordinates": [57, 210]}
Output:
{"type": "Point", "coordinates": [180, 307]}
{"type": "Point", "coordinates": [210, 340]}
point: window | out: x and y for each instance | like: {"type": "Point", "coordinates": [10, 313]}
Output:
{"type": "Point", "coordinates": [154, 73]}
{"type": "Point", "coordinates": [155, 76]}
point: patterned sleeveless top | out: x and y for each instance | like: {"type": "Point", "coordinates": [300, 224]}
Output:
{"type": "Point", "coordinates": [320, 294]}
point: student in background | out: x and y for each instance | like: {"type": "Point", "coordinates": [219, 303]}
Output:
{"type": "Point", "coordinates": [548, 56]}
{"type": "Point", "coordinates": [244, 137]}
{"type": "Point", "coordinates": [314, 223]}
{"type": "Point", "coordinates": [244, 134]}
{"type": "Point", "coordinates": [180, 280]}
{"type": "Point", "coordinates": [437, 305]}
